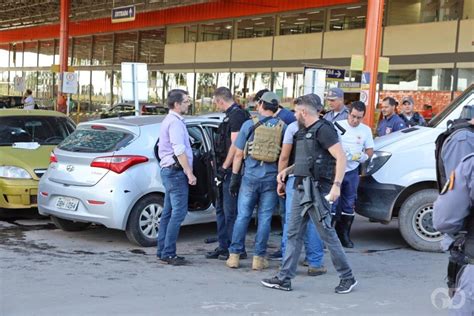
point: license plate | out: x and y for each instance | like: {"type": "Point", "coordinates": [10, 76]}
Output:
{"type": "Point", "coordinates": [67, 203]}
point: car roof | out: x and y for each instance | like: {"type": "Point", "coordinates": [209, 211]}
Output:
{"type": "Point", "coordinates": [22, 112]}
{"type": "Point", "coordinates": [143, 120]}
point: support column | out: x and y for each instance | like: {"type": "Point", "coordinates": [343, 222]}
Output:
{"type": "Point", "coordinates": [373, 36]}
{"type": "Point", "coordinates": [63, 50]}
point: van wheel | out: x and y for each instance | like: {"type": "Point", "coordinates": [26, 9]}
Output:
{"type": "Point", "coordinates": [416, 221]}
{"type": "Point", "coordinates": [144, 221]}
{"type": "Point", "coordinates": [69, 226]}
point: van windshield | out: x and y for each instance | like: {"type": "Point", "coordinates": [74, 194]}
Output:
{"type": "Point", "coordinates": [95, 141]}
{"type": "Point", "coordinates": [45, 130]}
{"type": "Point", "coordinates": [468, 93]}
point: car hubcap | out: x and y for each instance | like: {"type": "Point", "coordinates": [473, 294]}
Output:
{"type": "Point", "coordinates": [423, 224]}
{"type": "Point", "coordinates": [149, 220]}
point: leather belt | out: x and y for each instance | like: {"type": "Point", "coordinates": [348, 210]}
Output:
{"type": "Point", "coordinates": [174, 166]}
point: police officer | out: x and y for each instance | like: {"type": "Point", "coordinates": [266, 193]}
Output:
{"type": "Point", "coordinates": [226, 206]}
{"type": "Point", "coordinates": [319, 169]}
{"type": "Point", "coordinates": [408, 115]}
{"type": "Point", "coordinates": [391, 122]}
{"type": "Point", "coordinates": [338, 111]}
{"type": "Point", "coordinates": [454, 212]}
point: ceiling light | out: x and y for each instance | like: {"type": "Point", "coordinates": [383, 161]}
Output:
{"type": "Point", "coordinates": [228, 27]}
{"type": "Point", "coordinates": [302, 19]}
{"type": "Point", "coordinates": [341, 14]}
{"type": "Point", "coordinates": [298, 23]}
{"type": "Point", "coordinates": [314, 12]}
{"type": "Point", "coordinates": [334, 19]}
{"type": "Point", "coordinates": [256, 19]}
{"type": "Point", "coordinates": [249, 28]}
{"type": "Point", "coordinates": [352, 8]}
{"type": "Point", "coordinates": [337, 27]}
{"type": "Point", "coordinates": [361, 16]}
{"type": "Point", "coordinates": [259, 23]}
{"type": "Point", "coordinates": [282, 21]}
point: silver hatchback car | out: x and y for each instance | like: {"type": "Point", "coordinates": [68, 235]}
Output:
{"type": "Point", "coordinates": [107, 172]}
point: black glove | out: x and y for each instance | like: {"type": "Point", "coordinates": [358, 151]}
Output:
{"type": "Point", "coordinates": [221, 174]}
{"type": "Point", "coordinates": [234, 185]}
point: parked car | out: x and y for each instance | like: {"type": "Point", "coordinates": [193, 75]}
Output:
{"type": "Point", "coordinates": [26, 141]}
{"type": "Point", "coordinates": [107, 172]}
{"type": "Point", "coordinates": [400, 179]}
{"type": "Point", "coordinates": [7, 102]}
{"type": "Point", "coordinates": [128, 109]}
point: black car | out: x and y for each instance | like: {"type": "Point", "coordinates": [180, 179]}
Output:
{"type": "Point", "coordinates": [128, 109]}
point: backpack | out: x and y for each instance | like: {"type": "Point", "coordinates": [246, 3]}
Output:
{"type": "Point", "coordinates": [266, 143]}
{"type": "Point", "coordinates": [453, 127]}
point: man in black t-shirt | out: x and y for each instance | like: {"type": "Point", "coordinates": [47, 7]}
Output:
{"type": "Point", "coordinates": [319, 168]}
{"type": "Point", "coordinates": [226, 204]}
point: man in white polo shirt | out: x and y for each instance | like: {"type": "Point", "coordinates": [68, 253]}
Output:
{"type": "Point", "coordinates": [358, 144]}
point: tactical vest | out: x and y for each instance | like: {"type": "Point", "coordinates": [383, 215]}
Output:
{"type": "Point", "coordinates": [453, 126]}
{"type": "Point", "coordinates": [223, 141]}
{"type": "Point", "coordinates": [312, 160]}
{"type": "Point", "coordinates": [266, 143]}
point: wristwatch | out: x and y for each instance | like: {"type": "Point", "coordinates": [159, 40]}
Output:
{"type": "Point", "coordinates": [337, 184]}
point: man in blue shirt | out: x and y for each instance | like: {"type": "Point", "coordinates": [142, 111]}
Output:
{"type": "Point", "coordinates": [258, 185]}
{"type": "Point", "coordinates": [391, 122]}
{"type": "Point", "coordinates": [283, 113]}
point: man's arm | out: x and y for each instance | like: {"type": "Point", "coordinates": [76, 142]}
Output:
{"type": "Point", "coordinates": [284, 156]}
{"type": "Point", "coordinates": [230, 155]}
{"type": "Point", "coordinates": [338, 153]}
{"type": "Point", "coordinates": [237, 162]}
{"type": "Point", "coordinates": [188, 171]}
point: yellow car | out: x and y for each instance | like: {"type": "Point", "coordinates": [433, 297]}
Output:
{"type": "Point", "coordinates": [27, 138]}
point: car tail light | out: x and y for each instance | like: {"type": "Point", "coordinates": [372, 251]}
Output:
{"type": "Point", "coordinates": [118, 164]}
{"type": "Point", "coordinates": [95, 202]}
{"type": "Point", "coordinates": [45, 194]}
{"type": "Point", "coordinates": [99, 127]}
{"type": "Point", "coordinates": [52, 158]}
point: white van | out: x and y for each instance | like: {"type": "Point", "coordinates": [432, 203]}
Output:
{"type": "Point", "coordinates": [400, 179]}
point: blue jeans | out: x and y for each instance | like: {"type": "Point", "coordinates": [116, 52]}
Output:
{"type": "Point", "coordinates": [254, 192]}
{"type": "Point", "coordinates": [312, 241]}
{"type": "Point", "coordinates": [226, 212]}
{"type": "Point", "coordinates": [175, 209]}
{"type": "Point", "coordinates": [344, 205]}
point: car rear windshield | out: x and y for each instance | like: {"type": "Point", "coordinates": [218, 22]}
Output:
{"type": "Point", "coordinates": [95, 141]}
{"type": "Point", "coordinates": [45, 130]}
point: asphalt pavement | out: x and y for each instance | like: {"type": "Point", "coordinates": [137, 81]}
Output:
{"type": "Point", "coordinates": [46, 271]}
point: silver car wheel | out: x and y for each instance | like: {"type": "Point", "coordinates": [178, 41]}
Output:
{"type": "Point", "coordinates": [423, 224]}
{"type": "Point", "coordinates": [149, 220]}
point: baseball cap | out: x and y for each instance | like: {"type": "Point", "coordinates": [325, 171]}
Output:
{"type": "Point", "coordinates": [409, 100]}
{"type": "Point", "coordinates": [335, 93]}
{"type": "Point", "coordinates": [269, 97]}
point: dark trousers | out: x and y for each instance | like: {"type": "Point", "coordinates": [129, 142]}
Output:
{"type": "Point", "coordinates": [226, 213]}
{"type": "Point", "coordinates": [345, 204]}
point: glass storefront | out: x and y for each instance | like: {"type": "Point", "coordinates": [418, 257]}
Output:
{"type": "Point", "coordinates": [255, 27]}
{"type": "Point", "coordinates": [304, 22]}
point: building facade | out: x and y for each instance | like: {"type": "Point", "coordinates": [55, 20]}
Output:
{"type": "Point", "coordinates": [200, 47]}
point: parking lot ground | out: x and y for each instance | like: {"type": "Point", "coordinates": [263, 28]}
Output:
{"type": "Point", "coordinates": [45, 271]}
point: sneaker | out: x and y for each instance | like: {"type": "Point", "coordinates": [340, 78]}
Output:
{"type": "Point", "coordinates": [275, 283]}
{"type": "Point", "coordinates": [243, 255]}
{"type": "Point", "coordinates": [305, 263]}
{"type": "Point", "coordinates": [216, 253]}
{"type": "Point", "coordinates": [346, 286]}
{"type": "Point", "coordinates": [276, 256]}
{"type": "Point", "coordinates": [174, 261]}
{"type": "Point", "coordinates": [315, 271]}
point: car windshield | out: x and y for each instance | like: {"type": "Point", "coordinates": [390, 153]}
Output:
{"type": "Point", "coordinates": [45, 130]}
{"type": "Point", "coordinates": [95, 141]}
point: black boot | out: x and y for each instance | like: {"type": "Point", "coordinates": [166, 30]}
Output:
{"type": "Point", "coordinates": [343, 229]}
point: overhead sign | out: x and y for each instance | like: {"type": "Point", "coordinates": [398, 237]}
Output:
{"type": "Point", "coordinates": [384, 63]}
{"type": "Point", "coordinates": [357, 62]}
{"type": "Point", "coordinates": [69, 83]}
{"type": "Point", "coordinates": [19, 83]}
{"type": "Point", "coordinates": [314, 81]}
{"type": "Point", "coordinates": [123, 14]}
{"type": "Point", "coordinates": [335, 74]}
{"type": "Point", "coordinates": [348, 85]}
